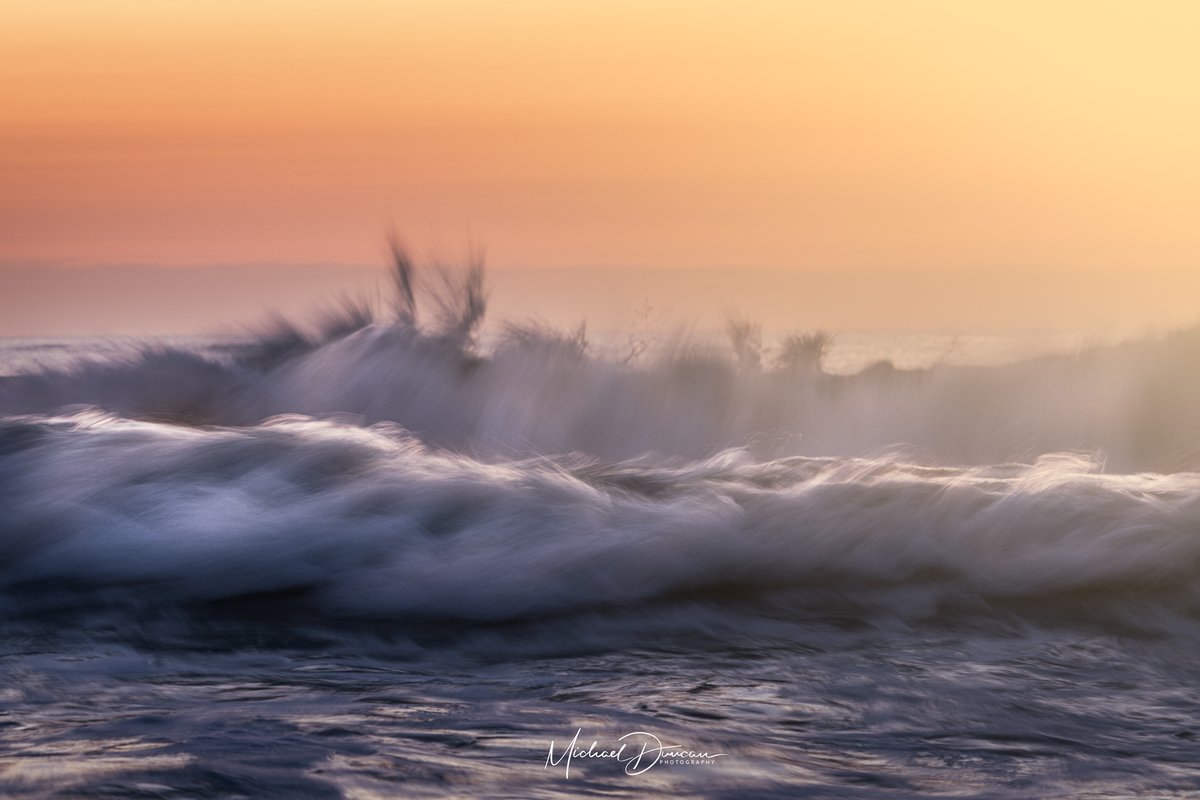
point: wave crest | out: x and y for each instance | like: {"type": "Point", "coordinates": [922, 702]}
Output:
{"type": "Point", "coordinates": [369, 522]}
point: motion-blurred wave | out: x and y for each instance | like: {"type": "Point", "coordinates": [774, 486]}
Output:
{"type": "Point", "coordinates": [381, 465]}
{"type": "Point", "coordinates": [368, 522]}
{"type": "Point", "coordinates": [534, 390]}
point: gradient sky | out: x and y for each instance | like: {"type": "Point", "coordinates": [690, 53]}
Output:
{"type": "Point", "coordinates": [832, 136]}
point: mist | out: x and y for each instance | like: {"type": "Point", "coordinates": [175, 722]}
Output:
{"type": "Point", "coordinates": [148, 300]}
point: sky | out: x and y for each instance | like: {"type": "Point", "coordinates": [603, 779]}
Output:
{"type": "Point", "coordinates": [1054, 141]}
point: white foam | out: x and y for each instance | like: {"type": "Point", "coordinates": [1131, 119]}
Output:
{"type": "Point", "coordinates": [375, 524]}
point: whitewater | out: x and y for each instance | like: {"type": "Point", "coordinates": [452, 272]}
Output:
{"type": "Point", "coordinates": [391, 553]}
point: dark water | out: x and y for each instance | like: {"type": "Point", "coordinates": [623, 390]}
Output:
{"type": "Point", "coordinates": [799, 709]}
{"type": "Point", "coordinates": [377, 563]}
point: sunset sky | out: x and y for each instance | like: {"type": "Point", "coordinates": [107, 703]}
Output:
{"type": "Point", "coordinates": [825, 137]}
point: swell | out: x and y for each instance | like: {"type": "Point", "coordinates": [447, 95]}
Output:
{"type": "Point", "coordinates": [371, 523]}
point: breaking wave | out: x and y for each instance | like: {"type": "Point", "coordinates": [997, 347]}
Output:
{"type": "Point", "coordinates": [370, 522]}
{"type": "Point", "coordinates": [380, 469]}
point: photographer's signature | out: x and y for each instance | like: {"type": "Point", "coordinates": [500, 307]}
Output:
{"type": "Point", "coordinates": [637, 752]}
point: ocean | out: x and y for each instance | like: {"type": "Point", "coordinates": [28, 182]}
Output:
{"type": "Point", "coordinates": [371, 559]}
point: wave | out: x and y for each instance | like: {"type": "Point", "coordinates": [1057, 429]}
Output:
{"type": "Point", "coordinates": [1135, 406]}
{"type": "Point", "coordinates": [370, 523]}
{"type": "Point", "coordinates": [385, 467]}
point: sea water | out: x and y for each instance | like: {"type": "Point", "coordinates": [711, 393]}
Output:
{"type": "Point", "coordinates": [382, 563]}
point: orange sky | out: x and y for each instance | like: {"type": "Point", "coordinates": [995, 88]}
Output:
{"type": "Point", "coordinates": [953, 135]}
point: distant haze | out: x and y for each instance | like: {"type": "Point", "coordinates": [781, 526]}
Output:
{"type": "Point", "coordinates": [56, 301]}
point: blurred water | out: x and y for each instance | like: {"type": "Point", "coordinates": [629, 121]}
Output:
{"type": "Point", "coordinates": [959, 581]}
